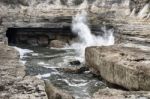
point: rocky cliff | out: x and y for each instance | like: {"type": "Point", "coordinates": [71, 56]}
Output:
{"type": "Point", "coordinates": [130, 18]}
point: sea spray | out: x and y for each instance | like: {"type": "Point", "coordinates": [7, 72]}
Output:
{"type": "Point", "coordinates": [22, 52]}
{"type": "Point", "coordinates": [144, 12]}
{"type": "Point", "coordinates": [86, 38]}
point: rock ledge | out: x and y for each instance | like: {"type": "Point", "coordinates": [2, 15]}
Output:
{"type": "Point", "coordinates": [127, 67]}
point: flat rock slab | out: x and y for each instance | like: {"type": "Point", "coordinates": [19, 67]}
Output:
{"type": "Point", "coordinates": [127, 67]}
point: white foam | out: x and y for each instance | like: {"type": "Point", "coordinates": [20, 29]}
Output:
{"type": "Point", "coordinates": [79, 80]}
{"type": "Point", "coordinates": [73, 84]}
{"type": "Point", "coordinates": [144, 12]}
{"type": "Point", "coordinates": [23, 62]}
{"type": "Point", "coordinates": [44, 75]}
{"type": "Point", "coordinates": [22, 52]}
{"type": "Point", "coordinates": [42, 63]}
{"type": "Point", "coordinates": [35, 54]}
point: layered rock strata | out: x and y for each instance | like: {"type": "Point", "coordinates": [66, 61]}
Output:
{"type": "Point", "coordinates": [129, 17]}
{"type": "Point", "coordinates": [119, 94]}
{"type": "Point", "coordinates": [124, 66]}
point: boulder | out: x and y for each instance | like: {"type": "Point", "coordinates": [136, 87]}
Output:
{"type": "Point", "coordinates": [57, 44]}
{"type": "Point", "coordinates": [127, 67]}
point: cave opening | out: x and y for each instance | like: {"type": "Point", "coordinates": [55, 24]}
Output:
{"type": "Point", "coordinates": [38, 36]}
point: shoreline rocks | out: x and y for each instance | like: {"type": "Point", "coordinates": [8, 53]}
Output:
{"type": "Point", "coordinates": [119, 94]}
{"type": "Point", "coordinates": [124, 66]}
{"type": "Point", "coordinates": [14, 84]}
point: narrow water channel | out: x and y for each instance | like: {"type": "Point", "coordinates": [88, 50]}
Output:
{"type": "Point", "coordinates": [46, 63]}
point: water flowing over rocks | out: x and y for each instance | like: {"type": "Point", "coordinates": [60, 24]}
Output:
{"type": "Point", "coordinates": [13, 82]}
{"type": "Point", "coordinates": [127, 67]}
{"type": "Point", "coordinates": [54, 93]}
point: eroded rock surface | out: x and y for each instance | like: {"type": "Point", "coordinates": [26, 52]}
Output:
{"type": "Point", "coordinates": [127, 67]}
{"type": "Point", "coordinates": [119, 94]}
{"type": "Point", "coordinates": [55, 93]}
{"type": "Point", "coordinates": [13, 82]}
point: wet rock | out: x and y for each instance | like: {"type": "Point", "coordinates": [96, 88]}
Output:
{"type": "Point", "coordinates": [55, 93]}
{"type": "Point", "coordinates": [57, 44]}
{"type": "Point", "coordinates": [75, 69]}
{"type": "Point", "coordinates": [127, 67]}
{"type": "Point", "coordinates": [119, 94]}
{"type": "Point", "coordinates": [76, 62]}
{"type": "Point", "coordinates": [43, 40]}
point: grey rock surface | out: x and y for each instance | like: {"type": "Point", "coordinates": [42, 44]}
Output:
{"type": "Point", "coordinates": [124, 66]}
{"type": "Point", "coordinates": [119, 94]}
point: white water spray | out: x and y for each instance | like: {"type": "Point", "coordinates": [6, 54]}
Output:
{"type": "Point", "coordinates": [86, 38]}
{"type": "Point", "coordinates": [144, 12]}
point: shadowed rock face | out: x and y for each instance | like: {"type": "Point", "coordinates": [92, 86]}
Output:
{"type": "Point", "coordinates": [127, 67]}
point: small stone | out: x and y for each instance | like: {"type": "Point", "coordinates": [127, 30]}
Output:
{"type": "Point", "coordinates": [76, 62]}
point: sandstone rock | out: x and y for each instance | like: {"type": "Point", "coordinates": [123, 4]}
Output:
{"type": "Point", "coordinates": [57, 44]}
{"type": "Point", "coordinates": [54, 93]}
{"type": "Point", "coordinates": [119, 94]}
{"type": "Point", "coordinates": [127, 67]}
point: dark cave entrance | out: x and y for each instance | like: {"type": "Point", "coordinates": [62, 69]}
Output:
{"type": "Point", "coordinates": [38, 36]}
